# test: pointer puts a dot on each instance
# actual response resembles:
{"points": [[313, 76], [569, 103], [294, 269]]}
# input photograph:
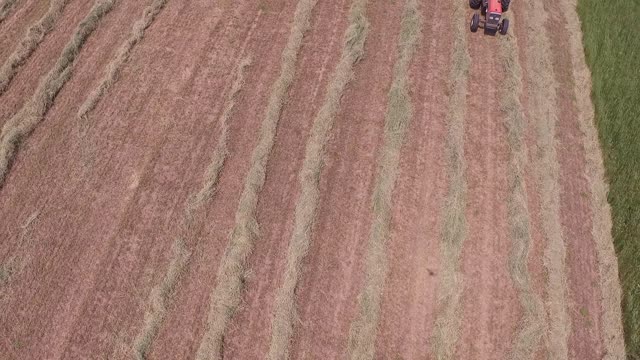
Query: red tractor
{"points": [[492, 11]]}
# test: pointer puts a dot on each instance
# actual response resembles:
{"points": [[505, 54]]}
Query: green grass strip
{"points": [[612, 48]]}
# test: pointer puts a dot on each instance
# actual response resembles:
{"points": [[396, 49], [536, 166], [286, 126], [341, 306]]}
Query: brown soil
{"points": [[110, 202]]}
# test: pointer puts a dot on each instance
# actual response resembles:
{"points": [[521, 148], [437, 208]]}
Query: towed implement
{"points": [[492, 11]]}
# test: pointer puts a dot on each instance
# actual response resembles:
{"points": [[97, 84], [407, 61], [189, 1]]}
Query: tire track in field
{"points": [[227, 293], [397, 120], [282, 325], [447, 324], [532, 325], [541, 90], [160, 294], [5, 8], [612, 332], [20, 126], [113, 69], [29, 43]]}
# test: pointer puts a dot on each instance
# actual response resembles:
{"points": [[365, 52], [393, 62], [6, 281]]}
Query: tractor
{"points": [[492, 11]]}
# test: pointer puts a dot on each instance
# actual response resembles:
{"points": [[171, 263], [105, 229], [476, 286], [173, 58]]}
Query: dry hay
{"points": [[227, 293], [397, 120], [447, 323], [113, 69], [221, 151], [612, 332], [533, 324], [20, 126], [29, 43], [541, 89], [157, 302], [282, 325], [161, 293], [5, 8]]}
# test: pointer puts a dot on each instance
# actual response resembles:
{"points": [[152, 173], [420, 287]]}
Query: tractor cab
{"points": [[492, 11]]}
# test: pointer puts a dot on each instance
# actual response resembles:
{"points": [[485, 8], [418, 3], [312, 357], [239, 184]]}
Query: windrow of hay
{"points": [[397, 120], [454, 232], [612, 332], [227, 293], [27, 119], [5, 8], [156, 304], [113, 69], [533, 324], [34, 36], [16, 263], [309, 176], [161, 293], [541, 89], [221, 151]]}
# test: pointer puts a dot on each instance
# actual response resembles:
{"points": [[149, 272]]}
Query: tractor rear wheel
{"points": [[475, 22], [475, 4], [504, 27], [505, 5]]}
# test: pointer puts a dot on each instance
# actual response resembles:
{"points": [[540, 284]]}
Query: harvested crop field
{"points": [[300, 179]]}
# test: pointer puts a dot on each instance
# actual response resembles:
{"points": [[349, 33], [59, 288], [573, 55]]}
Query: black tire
{"points": [[505, 5], [475, 4], [504, 27], [475, 22]]}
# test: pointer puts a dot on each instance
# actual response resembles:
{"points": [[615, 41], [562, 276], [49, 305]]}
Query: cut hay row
{"points": [[450, 287], [31, 114], [156, 304], [397, 120], [212, 173], [5, 8], [16, 263], [113, 69], [227, 293], [34, 36], [282, 325], [160, 295], [612, 332], [533, 325], [541, 89]]}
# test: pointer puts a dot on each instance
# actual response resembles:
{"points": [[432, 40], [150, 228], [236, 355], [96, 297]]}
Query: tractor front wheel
{"points": [[475, 4], [504, 27], [475, 22]]}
